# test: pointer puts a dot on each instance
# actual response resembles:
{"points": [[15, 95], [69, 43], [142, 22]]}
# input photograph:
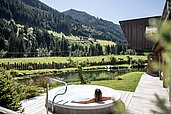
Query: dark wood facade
{"points": [[134, 31], [158, 50]]}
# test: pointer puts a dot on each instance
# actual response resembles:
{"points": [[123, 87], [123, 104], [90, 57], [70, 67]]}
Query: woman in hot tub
{"points": [[97, 98]]}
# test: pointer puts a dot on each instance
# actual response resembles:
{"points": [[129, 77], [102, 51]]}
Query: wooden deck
{"points": [[6, 111], [126, 97], [36, 105], [138, 102], [144, 95]]}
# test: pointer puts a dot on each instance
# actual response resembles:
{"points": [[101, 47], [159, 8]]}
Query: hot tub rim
{"points": [[85, 106]]}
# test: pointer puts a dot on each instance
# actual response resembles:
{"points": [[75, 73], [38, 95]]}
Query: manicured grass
{"points": [[73, 38], [76, 38], [64, 59], [128, 83], [105, 42], [124, 65]]}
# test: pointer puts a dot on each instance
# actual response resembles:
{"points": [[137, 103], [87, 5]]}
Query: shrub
{"points": [[130, 52], [13, 73], [12, 92], [119, 78], [27, 91], [3, 53], [129, 59], [112, 60], [71, 62], [81, 77], [138, 63], [30, 67], [9, 97]]}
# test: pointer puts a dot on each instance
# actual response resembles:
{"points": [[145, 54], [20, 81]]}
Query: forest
{"points": [[25, 26], [20, 41]]}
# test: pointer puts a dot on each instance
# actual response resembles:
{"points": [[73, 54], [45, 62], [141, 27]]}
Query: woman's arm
{"points": [[84, 102], [106, 98]]}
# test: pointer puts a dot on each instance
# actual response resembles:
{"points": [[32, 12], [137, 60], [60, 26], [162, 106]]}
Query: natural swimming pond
{"points": [[94, 75]]}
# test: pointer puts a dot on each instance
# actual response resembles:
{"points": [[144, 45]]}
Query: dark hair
{"points": [[98, 93]]}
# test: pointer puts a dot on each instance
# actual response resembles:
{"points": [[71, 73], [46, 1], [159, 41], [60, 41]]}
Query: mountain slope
{"points": [[33, 13], [99, 24], [36, 14]]}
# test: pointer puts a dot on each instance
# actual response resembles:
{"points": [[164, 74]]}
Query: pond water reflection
{"points": [[94, 75]]}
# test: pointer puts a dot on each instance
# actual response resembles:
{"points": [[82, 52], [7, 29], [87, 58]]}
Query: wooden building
{"points": [[134, 31], [158, 50]]}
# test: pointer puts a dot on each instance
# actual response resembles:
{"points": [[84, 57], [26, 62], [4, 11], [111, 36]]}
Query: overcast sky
{"points": [[112, 10]]}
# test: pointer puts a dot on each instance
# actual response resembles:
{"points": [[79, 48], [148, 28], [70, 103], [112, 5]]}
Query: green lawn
{"points": [[129, 82], [59, 35], [105, 42], [64, 59]]}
